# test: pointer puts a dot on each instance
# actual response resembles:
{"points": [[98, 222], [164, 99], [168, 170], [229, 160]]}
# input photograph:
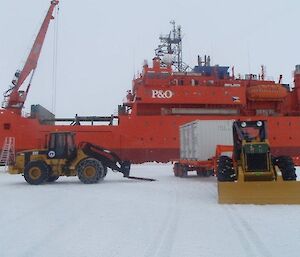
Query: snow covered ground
{"points": [[126, 218]]}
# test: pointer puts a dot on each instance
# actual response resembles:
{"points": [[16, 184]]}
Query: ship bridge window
{"points": [[6, 126], [157, 75]]}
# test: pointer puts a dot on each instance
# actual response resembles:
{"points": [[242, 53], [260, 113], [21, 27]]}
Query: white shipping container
{"points": [[198, 139]]}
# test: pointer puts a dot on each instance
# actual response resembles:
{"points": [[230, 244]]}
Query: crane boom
{"points": [[13, 98]]}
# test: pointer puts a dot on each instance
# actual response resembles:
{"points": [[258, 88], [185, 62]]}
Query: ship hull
{"points": [[143, 138]]}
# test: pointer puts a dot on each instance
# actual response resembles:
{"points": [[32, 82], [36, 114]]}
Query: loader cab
{"points": [[62, 146], [248, 132], [251, 146]]}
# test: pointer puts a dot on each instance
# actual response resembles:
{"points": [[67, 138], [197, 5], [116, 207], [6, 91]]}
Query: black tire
{"points": [[225, 170], [183, 171], [286, 166], [180, 170], [204, 173], [105, 172], [200, 173], [176, 168], [52, 178], [36, 172], [90, 171]]}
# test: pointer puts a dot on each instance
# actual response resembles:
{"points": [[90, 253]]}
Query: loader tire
{"points": [[286, 166], [105, 172], [90, 171], [225, 170], [52, 178], [36, 172]]}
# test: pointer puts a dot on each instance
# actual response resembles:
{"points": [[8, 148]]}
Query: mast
{"points": [[170, 48], [14, 98]]}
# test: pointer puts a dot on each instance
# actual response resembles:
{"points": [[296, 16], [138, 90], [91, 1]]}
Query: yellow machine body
{"points": [[62, 157], [57, 165], [259, 192]]}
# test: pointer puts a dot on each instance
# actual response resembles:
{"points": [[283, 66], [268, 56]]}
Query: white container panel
{"points": [[198, 139]]}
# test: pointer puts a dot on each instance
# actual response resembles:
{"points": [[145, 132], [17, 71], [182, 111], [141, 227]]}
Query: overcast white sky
{"points": [[103, 43]]}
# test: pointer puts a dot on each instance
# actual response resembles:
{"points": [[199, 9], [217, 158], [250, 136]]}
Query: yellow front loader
{"points": [[62, 157], [252, 175]]}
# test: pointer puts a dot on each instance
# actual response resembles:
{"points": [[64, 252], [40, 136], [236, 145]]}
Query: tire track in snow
{"points": [[249, 239], [162, 243], [256, 240], [51, 235]]}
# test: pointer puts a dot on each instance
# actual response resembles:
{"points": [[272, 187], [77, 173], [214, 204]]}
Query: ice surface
{"points": [[171, 217]]}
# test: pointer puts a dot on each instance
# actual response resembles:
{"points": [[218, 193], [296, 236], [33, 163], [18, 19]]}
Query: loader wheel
{"points": [[286, 166], [52, 178], [225, 170], [90, 171], [36, 172], [105, 172]]}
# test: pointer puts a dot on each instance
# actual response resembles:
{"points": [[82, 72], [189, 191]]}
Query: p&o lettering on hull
{"points": [[162, 94]]}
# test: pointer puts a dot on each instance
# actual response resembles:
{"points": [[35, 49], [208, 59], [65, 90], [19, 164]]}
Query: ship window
{"points": [[181, 82], [194, 82], [6, 126], [157, 75]]}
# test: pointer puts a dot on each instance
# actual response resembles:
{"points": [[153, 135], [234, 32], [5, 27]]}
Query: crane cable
{"points": [[54, 68]]}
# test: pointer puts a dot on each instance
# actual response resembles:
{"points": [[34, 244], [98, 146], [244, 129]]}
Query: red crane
{"points": [[14, 98]]}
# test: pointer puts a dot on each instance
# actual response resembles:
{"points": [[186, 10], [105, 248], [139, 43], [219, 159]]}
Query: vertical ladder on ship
{"points": [[8, 152]]}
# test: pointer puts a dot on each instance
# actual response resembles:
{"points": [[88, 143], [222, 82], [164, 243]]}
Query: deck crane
{"points": [[14, 98]]}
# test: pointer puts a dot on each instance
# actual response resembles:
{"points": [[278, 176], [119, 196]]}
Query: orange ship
{"points": [[164, 96]]}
